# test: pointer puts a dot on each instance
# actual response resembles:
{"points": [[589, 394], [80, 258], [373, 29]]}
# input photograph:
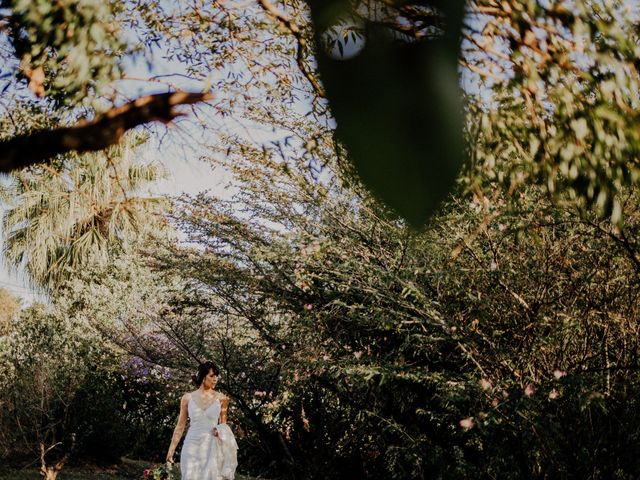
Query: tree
{"points": [[351, 344], [67, 388], [562, 115], [509, 52], [44, 361], [77, 212]]}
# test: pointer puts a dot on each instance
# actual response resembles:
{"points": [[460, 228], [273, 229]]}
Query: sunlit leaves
{"points": [[68, 50], [567, 119]]}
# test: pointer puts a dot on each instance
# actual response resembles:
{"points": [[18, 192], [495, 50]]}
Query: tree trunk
{"points": [[51, 472]]}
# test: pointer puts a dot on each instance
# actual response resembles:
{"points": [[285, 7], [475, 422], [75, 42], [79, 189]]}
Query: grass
{"points": [[127, 470]]}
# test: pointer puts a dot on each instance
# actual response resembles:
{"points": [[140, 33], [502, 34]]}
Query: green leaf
{"points": [[398, 111]]}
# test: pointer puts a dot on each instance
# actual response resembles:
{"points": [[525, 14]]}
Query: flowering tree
{"points": [[345, 336]]}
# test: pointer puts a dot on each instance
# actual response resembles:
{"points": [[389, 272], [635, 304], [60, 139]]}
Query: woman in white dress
{"points": [[209, 451]]}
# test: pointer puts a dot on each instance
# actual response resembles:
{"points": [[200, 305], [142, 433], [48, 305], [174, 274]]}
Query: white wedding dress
{"points": [[205, 456]]}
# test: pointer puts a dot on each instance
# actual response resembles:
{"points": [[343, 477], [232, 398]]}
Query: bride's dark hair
{"points": [[203, 371]]}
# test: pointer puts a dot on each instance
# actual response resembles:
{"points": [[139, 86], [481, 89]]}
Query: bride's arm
{"points": [[224, 407], [180, 426]]}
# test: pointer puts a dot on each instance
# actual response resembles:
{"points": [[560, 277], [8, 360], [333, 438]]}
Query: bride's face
{"points": [[210, 380]]}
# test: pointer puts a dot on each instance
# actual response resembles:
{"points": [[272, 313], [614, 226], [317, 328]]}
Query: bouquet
{"points": [[163, 472]]}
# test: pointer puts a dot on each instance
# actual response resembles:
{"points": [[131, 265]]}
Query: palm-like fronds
{"points": [[61, 219]]}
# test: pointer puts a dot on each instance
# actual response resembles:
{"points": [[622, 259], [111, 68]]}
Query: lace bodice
{"points": [[202, 421]]}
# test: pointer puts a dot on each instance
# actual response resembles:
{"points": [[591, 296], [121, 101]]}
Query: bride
{"points": [[209, 451]]}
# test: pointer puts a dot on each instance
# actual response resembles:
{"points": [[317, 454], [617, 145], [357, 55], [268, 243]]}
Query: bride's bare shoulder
{"points": [[221, 396], [186, 397]]}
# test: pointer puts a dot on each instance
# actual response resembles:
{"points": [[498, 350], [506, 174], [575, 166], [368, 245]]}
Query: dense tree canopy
{"points": [[261, 62]]}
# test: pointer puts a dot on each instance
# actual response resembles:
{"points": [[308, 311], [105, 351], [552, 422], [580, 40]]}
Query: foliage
{"points": [[115, 300], [402, 125], [9, 307], [68, 50], [564, 116], [61, 380], [62, 218], [45, 360]]}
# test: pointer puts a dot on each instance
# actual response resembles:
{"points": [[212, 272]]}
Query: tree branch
{"points": [[97, 134], [290, 25]]}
